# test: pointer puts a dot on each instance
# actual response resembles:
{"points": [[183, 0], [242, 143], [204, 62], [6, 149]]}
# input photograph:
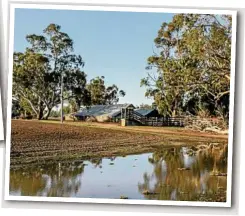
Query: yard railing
{"points": [[165, 121], [181, 121]]}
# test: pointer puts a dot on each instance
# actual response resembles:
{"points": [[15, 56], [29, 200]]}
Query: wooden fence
{"points": [[160, 121], [176, 121]]}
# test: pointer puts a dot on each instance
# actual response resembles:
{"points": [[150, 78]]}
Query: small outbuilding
{"points": [[147, 112]]}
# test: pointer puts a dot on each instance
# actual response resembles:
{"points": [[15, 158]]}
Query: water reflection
{"points": [[56, 180], [174, 173], [188, 160], [192, 175]]}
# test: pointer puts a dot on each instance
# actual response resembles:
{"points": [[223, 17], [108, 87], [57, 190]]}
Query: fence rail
{"points": [[159, 121], [174, 121], [181, 121]]}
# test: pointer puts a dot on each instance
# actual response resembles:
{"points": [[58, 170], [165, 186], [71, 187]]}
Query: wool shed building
{"points": [[103, 113], [106, 113]]}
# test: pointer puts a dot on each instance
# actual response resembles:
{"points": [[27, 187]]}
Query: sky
{"points": [[115, 45]]}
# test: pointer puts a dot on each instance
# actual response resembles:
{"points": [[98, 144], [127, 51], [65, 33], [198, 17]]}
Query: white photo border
{"points": [[14, 6], [1, 118]]}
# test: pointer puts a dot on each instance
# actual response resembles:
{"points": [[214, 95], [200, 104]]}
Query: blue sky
{"points": [[113, 44]]}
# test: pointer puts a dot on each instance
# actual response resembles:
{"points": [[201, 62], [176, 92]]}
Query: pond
{"points": [[173, 173]]}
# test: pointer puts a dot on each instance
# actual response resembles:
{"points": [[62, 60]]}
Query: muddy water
{"points": [[182, 173]]}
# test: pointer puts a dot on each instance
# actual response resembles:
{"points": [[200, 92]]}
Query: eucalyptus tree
{"points": [[192, 60], [102, 94], [38, 71]]}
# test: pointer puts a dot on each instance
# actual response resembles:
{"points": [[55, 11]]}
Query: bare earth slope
{"points": [[43, 142]]}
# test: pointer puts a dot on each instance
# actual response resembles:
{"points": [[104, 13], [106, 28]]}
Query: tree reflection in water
{"points": [[187, 173], [174, 173], [58, 180]]}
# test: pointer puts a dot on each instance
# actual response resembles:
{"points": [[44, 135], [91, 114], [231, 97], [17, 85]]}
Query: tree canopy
{"points": [[47, 61], [100, 94], [190, 68]]}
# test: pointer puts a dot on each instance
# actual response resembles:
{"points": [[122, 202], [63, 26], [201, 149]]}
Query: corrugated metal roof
{"points": [[144, 112], [97, 110], [115, 114]]}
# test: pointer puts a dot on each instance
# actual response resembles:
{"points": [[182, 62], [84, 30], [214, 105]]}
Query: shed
{"points": [[147, 112], [102, 113]]}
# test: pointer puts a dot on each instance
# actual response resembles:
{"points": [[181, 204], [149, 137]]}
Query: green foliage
{"points": [[54, 113], [48, 63], [67, 110], [16, 108], [100, 94], [192, 65], [38, 71], [145, 106]]}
